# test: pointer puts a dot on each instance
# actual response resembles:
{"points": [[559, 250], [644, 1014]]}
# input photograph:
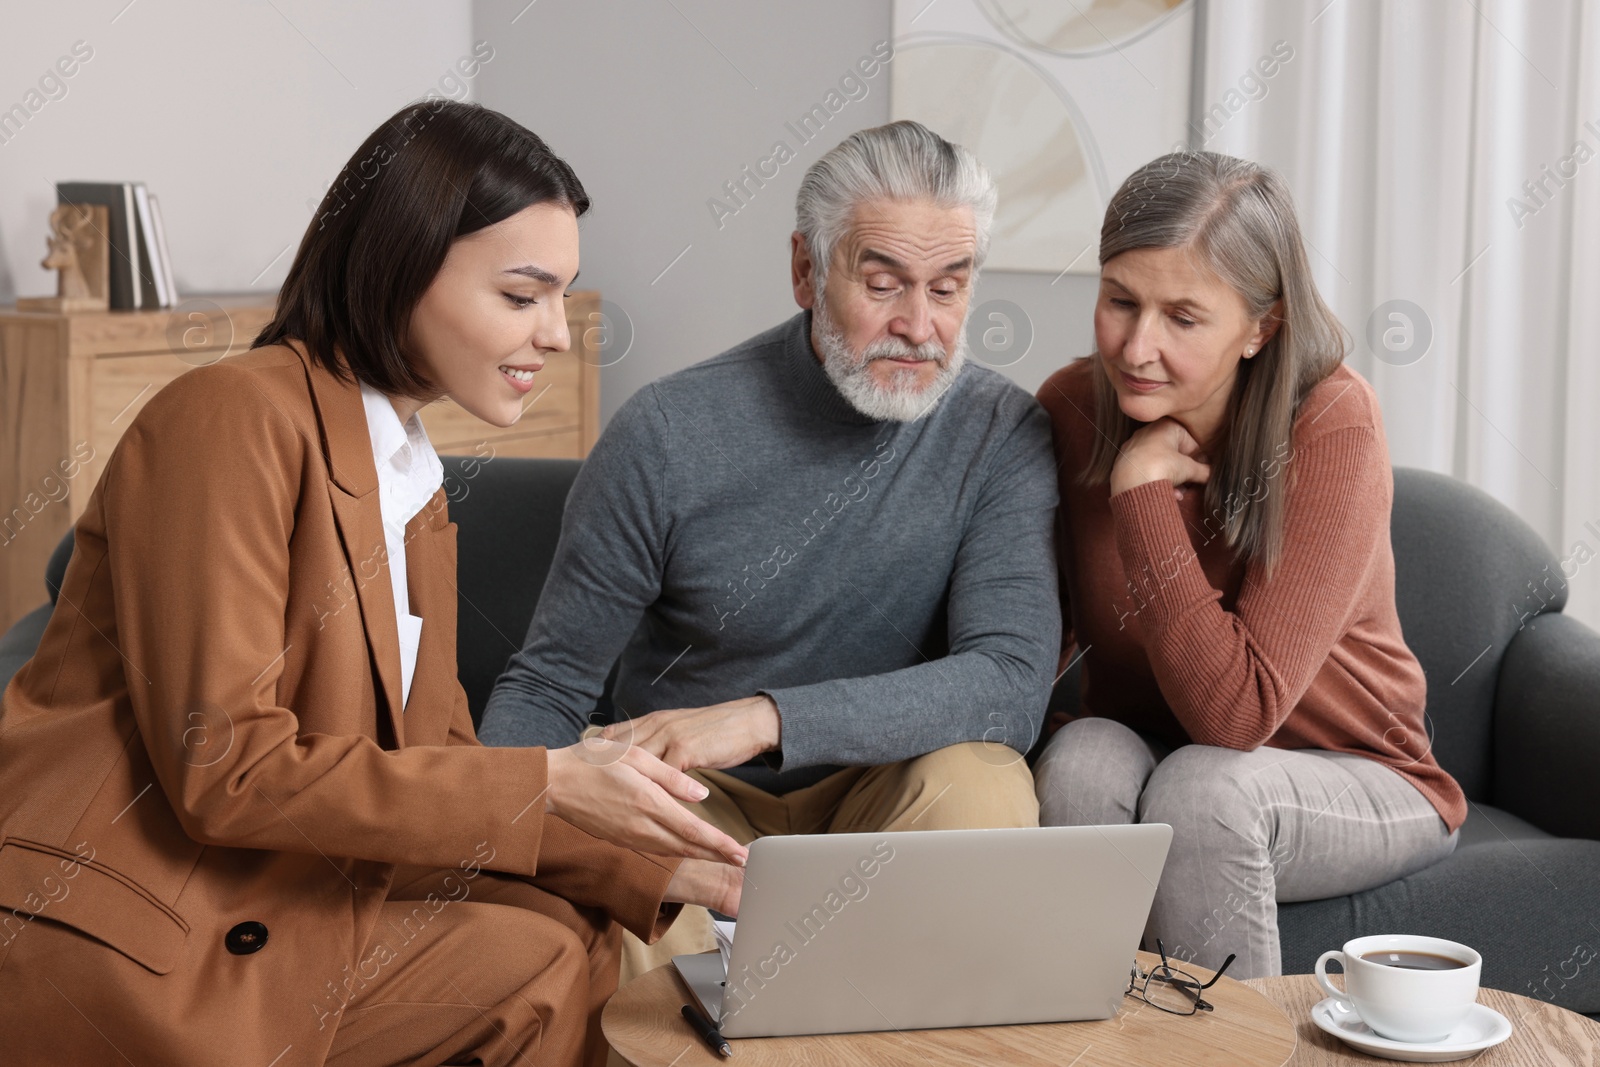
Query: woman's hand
{"points": [[624, 795], [711, 885], [1163, 449]]}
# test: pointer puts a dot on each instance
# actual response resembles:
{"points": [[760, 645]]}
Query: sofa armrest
{"points": [[1547, 727]]}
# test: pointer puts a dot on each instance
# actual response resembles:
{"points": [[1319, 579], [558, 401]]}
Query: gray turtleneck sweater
{"points": [[740, 529]]}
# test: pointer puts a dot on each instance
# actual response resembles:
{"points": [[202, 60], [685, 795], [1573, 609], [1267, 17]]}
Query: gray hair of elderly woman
{"points": [[1237, 220], [901, 161]]}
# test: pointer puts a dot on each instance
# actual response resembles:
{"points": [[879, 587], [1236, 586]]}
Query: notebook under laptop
{"points": [[840, 933]]}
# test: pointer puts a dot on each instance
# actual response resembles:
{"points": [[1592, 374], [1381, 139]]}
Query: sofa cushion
{"points": [[18, 644], [1490, 826], [507, 513], [56, 569]]}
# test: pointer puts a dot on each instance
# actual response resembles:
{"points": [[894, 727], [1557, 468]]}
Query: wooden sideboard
{"points": [[71, 384]]}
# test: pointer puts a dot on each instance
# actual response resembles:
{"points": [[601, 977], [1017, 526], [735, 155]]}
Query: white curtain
{"points": [[1445, 153]]}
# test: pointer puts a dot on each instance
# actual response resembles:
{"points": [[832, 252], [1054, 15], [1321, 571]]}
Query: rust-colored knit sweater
{"points": [[1179, 640]]}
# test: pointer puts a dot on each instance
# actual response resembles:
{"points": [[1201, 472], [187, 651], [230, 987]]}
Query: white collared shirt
{"points": [[409, 473]]}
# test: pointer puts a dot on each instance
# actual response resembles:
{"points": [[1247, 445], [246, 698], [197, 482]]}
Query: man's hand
{"points": [[711, 885], [722, 735], [625, 795], [1163, 449]]}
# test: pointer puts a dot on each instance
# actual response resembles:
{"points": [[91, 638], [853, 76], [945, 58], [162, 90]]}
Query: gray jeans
{"points": [[1248, 829]]}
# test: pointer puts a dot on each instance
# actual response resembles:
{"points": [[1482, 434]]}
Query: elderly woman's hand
{"points": [[1161, 450]]}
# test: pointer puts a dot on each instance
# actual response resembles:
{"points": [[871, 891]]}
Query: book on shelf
{"points": [[141, 266], [161, 249]]}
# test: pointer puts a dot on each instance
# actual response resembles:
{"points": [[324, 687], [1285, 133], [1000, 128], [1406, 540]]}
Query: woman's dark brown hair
{"points": [[435, 171]]}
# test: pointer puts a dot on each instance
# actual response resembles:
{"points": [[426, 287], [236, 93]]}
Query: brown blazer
{"points": [[210, 735]]}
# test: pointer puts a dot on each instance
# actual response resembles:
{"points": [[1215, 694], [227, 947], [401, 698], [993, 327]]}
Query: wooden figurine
{"points": [[80, 252]]}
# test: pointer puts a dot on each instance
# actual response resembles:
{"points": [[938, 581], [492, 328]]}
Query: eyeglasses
{"points": [[1170, 989]]}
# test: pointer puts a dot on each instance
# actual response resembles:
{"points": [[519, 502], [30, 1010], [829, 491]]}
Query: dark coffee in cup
{"points": [[1414, 961], [1406, 987]]}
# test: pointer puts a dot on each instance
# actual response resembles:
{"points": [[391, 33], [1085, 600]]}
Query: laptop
{"points": [[843, 933]]}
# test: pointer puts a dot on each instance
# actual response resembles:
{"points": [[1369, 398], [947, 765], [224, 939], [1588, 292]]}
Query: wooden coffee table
{"points": [[1258, 1021], [1544, 1035], [643, 1024]]}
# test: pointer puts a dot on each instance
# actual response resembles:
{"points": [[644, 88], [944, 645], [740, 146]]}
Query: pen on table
{"points": [[705, 1029]]}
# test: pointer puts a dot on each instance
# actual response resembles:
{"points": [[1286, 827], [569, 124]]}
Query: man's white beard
{"points": [[903, 399]]}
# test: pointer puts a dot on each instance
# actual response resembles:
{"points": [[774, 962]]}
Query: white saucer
{"points": [[1482, 1028]]}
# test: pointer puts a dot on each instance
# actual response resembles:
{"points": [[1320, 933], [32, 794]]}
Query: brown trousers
{"points": [[500, 972]]}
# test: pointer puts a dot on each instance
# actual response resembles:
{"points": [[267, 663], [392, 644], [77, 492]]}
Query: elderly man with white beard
{"points": [[825, 556]]}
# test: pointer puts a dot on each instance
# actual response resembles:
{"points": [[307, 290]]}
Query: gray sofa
{"points": [[1519, 728]]}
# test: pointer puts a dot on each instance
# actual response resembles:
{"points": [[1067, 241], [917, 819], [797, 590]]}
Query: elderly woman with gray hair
{"points": [[1226, 575]]}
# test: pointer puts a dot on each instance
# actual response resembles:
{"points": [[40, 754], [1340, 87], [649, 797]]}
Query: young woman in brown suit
{"points": [[245, 815]]}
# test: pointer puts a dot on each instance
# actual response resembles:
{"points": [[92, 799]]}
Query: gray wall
{"points": [[656, 105], [236, 115]]}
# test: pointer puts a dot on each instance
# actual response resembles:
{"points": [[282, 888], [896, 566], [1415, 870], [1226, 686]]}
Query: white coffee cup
{"points": [[1403, 1003]]}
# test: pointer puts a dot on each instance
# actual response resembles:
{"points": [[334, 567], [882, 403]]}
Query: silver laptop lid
{"points": [[840, 933]]}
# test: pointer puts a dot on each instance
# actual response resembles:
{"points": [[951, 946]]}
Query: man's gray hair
{"points": [[901, 161]]}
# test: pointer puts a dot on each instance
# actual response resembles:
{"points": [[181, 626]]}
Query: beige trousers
{"points": [[967, 786]]}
